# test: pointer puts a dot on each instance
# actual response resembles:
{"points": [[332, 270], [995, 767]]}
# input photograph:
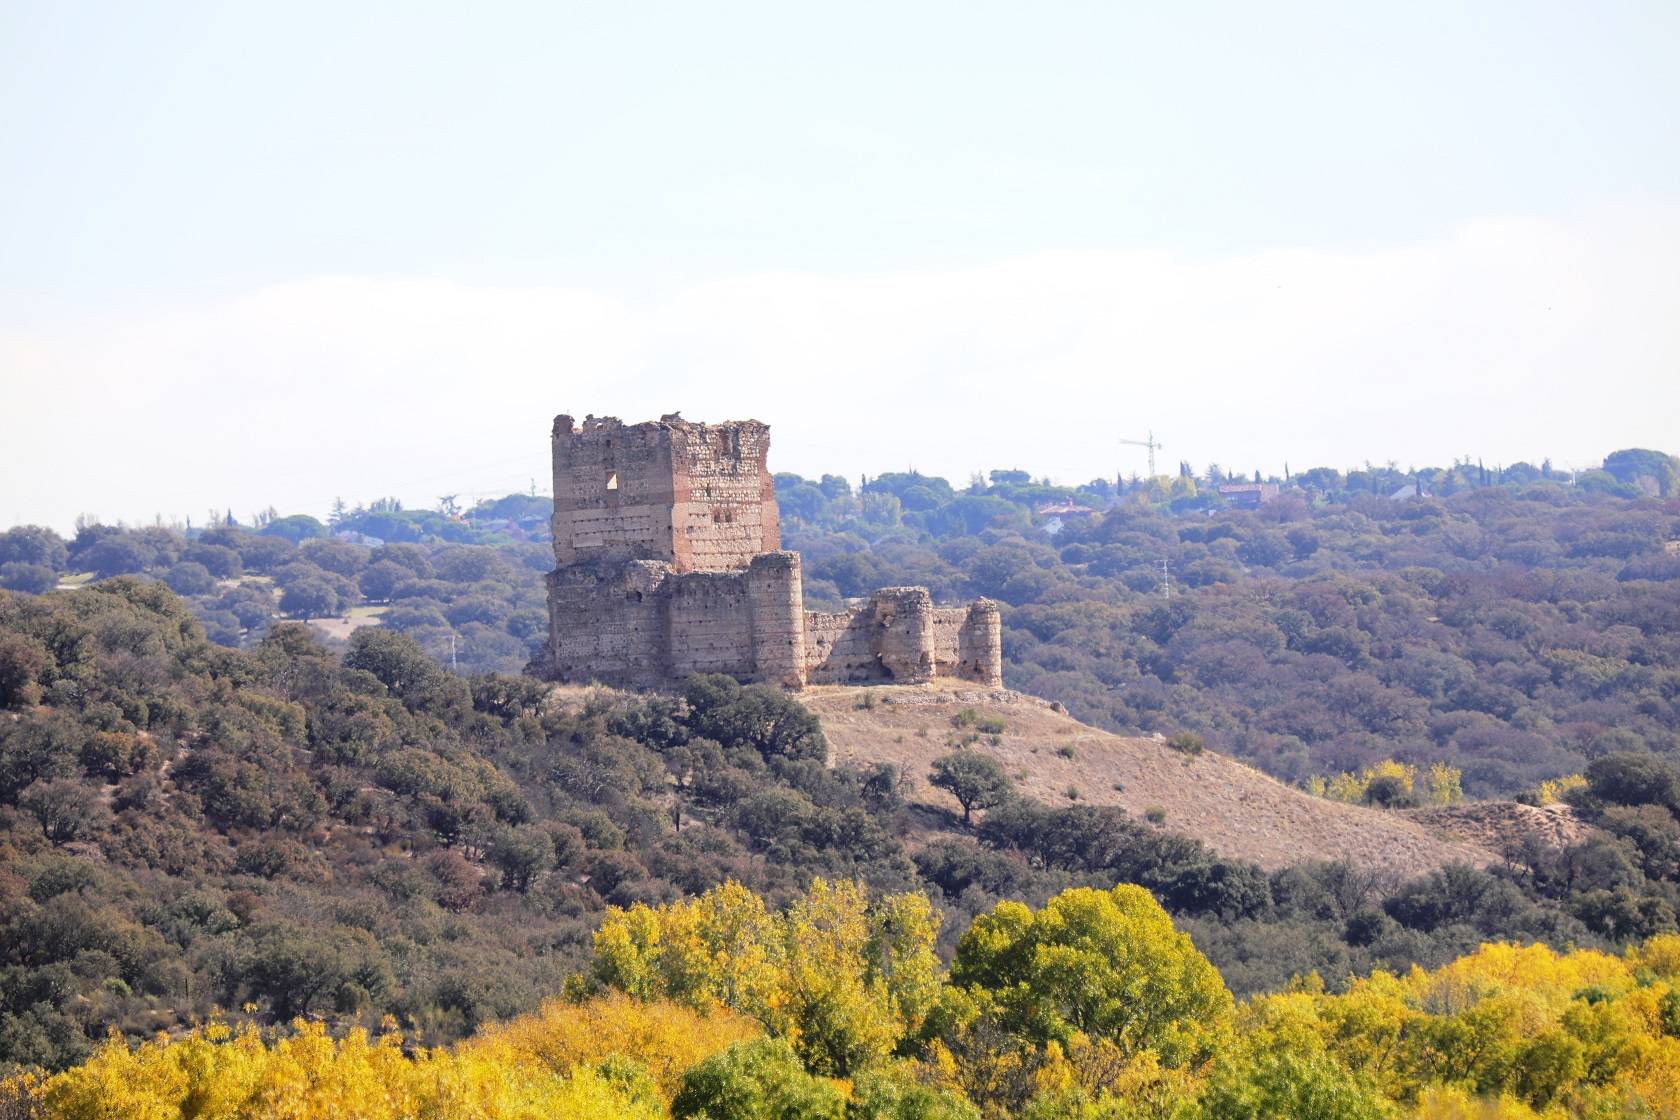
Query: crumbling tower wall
{"points": [[724, 511], [614, 487], [903, 618], [699, 497]]}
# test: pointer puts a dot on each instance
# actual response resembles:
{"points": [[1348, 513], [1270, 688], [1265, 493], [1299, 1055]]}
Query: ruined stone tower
{"points": [[696, 496], [667, 545]]}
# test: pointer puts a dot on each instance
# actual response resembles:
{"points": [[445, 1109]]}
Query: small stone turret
{"points": [[903, 620], [776, 598], [980, 645]]}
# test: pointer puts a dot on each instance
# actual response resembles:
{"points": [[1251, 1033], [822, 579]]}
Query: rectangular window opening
{"points": [[612, 480]]}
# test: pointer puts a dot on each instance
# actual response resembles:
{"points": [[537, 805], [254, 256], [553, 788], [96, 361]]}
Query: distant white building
{"points": [[1056, 515]]}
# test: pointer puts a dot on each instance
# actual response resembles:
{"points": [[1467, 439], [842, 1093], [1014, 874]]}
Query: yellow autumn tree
{"points": [[721, 948], [1390, 782], [562, 1036], [1093, 1007], [1457, 1104], [1094, 964], [1506, 1031], [841, 979], [1554, 790], [217, 1074], [1443, 784]]}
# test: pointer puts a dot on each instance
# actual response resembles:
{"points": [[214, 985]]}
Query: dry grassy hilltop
{"points": [[1236, 810], [1494, 824]]}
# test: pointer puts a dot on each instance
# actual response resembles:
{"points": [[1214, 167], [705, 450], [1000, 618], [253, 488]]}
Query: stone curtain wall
{"points": [[901, 636], [708, 625], [947, 639], [643, 624], [968, 642], [606, 622], [667, 545], [840, 648]]}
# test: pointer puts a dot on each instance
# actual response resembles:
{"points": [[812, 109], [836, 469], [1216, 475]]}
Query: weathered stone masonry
{"points": [[667, 543]]}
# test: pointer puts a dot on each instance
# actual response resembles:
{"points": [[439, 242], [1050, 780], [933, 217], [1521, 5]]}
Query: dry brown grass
{"points": [[340, 629], [1498, 824], [1236, 810]]}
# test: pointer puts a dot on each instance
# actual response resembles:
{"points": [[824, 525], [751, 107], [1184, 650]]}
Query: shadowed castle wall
{"points": [[606, 622], [708, 626], [947, 639]]}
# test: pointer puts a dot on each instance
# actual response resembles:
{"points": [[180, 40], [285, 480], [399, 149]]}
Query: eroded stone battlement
{"points": [[696, 496], [667, 545]]}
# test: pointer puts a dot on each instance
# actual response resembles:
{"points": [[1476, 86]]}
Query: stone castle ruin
{"points": [[667, 545]]}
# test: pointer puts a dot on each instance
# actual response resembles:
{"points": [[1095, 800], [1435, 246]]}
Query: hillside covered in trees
{"points": [[289, 830], [1515, 630]]}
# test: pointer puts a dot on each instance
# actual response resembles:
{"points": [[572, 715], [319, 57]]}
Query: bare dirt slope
{"points": [[1500, 824], [1236, 810]]}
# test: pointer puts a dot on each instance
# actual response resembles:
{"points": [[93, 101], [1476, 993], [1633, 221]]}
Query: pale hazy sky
{"points": [[269, 254]]}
